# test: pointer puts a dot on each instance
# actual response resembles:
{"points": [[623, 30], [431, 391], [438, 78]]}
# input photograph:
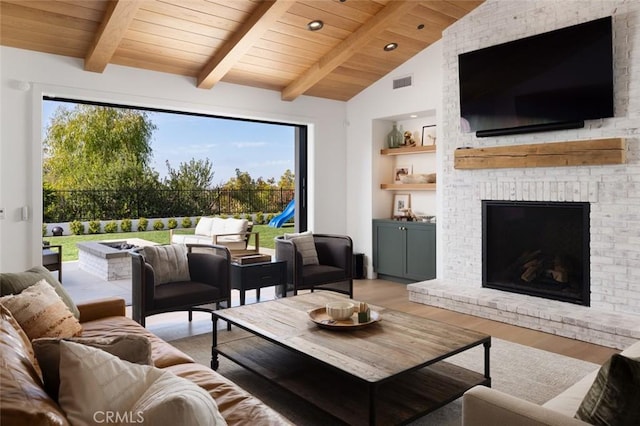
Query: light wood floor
{"points": [[394, 296]]}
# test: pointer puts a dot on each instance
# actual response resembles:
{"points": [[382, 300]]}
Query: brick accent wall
{"points": [[613, 191]]}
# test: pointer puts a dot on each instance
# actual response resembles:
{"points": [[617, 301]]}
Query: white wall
{"points": [[365, 199], [20, 135]]}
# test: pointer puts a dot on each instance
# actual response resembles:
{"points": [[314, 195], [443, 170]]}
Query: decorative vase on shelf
{"points": [[395, 137]]}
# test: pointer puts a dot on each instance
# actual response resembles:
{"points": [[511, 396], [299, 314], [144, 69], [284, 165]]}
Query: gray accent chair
{"points": [[334, 273], [209, 270]]}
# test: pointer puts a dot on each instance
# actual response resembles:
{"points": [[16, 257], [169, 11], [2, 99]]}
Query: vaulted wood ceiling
{"points": [[255, 43]]}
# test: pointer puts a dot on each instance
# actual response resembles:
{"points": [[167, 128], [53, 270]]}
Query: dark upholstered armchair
{"points": [[209, 283], [334, 270]]}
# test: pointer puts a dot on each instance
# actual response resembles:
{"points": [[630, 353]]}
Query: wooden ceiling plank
{"points": [[163, 51], [331, 18], [177, 24], [277, 46], [294, 45], [450, 8], [172, 33], [391, 13], [65, 9], [278, 56], [252, 30], [181, 11], [118, 17], [37, 17], [170, 43]]}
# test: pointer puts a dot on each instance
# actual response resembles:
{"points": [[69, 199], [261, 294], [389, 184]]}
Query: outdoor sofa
{"points": [[229, 232]]}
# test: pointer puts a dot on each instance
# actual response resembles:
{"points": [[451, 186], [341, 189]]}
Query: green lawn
{"points": [[70, 250]]}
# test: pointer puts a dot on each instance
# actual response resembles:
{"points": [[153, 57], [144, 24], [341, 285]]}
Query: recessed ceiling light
{"points": [[315, 25], [413, 116], [389, 47]]}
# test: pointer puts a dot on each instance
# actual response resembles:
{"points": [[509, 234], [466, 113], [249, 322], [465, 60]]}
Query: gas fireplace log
{"points": [[531, 270]]}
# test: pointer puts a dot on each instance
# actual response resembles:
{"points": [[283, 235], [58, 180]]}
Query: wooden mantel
{"points": [[574, 153]]}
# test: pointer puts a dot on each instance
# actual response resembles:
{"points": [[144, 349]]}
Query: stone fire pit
{"points": [[109, 259]]}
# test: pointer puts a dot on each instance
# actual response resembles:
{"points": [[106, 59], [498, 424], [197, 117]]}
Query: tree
{"points": [[287, 180], [98, 147], [194, 175], [242, 180]]}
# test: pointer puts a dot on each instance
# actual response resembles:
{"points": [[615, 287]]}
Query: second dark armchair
{"points": [[333, 270], [170, 287]]}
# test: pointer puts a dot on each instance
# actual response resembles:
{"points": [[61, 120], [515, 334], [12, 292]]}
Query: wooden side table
{"points": [[255, 276], [52, 259]]}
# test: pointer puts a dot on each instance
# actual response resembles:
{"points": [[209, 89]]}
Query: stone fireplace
{"points": [[537, 248], [612, 317]]}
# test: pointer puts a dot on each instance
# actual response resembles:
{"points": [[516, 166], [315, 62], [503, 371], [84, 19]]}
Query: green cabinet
{"points": [[404, 251]]}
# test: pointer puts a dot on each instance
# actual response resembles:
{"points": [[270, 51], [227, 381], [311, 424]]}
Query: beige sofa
{"points": [[231, 233], [482, 406]]}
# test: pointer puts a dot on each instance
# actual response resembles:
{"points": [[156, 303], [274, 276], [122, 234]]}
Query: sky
{"points": [[262, 150]]}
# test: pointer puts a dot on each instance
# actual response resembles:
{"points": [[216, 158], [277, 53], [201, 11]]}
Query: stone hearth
{"points": [[616, 330]]}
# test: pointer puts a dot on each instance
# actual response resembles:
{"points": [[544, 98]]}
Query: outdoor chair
{"points": [[229, 232], [333, 269], [207, 281]]}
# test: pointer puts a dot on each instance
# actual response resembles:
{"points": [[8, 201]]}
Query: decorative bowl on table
{"points": [[340, 311]]}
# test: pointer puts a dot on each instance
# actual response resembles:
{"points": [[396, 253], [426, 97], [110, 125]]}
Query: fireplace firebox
{"points": [[537, 248]]}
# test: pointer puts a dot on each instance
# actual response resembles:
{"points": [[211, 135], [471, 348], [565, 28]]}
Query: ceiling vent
{"points": [[402, 82]]}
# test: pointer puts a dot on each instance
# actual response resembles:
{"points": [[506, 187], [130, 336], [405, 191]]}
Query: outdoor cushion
{"points": [[204, 226], [229, 226]]}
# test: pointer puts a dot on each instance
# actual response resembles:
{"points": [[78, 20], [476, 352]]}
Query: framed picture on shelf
{"points": [[400, 171], [401, 204], [429, 135]]}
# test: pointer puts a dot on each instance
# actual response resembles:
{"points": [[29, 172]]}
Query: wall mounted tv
{"points": [[550, 81]]}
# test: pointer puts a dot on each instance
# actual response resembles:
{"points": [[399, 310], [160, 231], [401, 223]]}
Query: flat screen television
{"points": [[549, 81]]}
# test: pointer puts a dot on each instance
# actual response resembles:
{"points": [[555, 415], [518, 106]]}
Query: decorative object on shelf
{"points": [[401, 205], [418, 178], [429, 135], [395, 137], [400, 171], [408, 139]]}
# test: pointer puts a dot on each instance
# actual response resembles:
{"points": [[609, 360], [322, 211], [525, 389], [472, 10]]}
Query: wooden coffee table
{"points": [[388, 372]]}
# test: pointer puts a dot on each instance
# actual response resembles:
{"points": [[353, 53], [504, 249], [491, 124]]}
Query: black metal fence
{"points": [[67, 206]]}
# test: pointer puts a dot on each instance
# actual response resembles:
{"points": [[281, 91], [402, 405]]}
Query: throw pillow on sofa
{"points": [[93, 381], [16, 282], [23, 400], [132, 348], [41, 312], [169, 262], [306, 246], [614, 396]]}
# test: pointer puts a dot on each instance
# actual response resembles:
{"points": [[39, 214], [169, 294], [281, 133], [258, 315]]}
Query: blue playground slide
{"points": [[287, 214]]}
